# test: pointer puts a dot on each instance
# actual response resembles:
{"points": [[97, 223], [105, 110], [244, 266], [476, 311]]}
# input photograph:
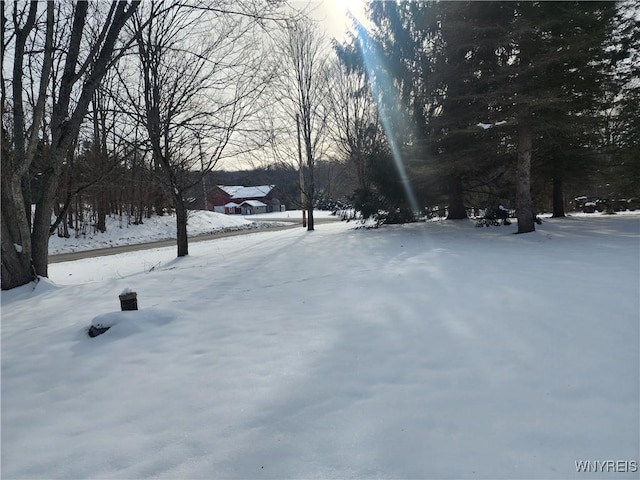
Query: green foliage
{"points": [[385, 202], [443, 68], [381, 209]]}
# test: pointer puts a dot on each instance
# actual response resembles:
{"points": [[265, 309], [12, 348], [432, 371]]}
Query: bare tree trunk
{"points": [[310, 196], [308, 86], [181, 226], [103, 206], [523, 186], [303, 201], [16, 209], [311, 187], [41, 229], [16, 235], [65, 126], [558, 194], [99, 154], [64, 195], [456, 199]]}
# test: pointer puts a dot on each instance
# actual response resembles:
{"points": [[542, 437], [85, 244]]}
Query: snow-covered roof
{"points": [[231, 205], [254, 203], [230, 189], [253, 192]]}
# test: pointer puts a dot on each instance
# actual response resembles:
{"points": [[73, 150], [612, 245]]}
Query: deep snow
{"points": [[433, 350]]}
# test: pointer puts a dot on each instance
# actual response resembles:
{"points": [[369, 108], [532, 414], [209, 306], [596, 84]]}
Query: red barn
{"points": [[227, 199]]}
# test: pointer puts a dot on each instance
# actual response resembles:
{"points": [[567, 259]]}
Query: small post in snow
{"points": [[128, 300]]}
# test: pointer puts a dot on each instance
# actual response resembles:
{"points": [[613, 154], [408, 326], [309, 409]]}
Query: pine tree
{"points": [[532, 71], [619, 106], [547, 82], [464, 66]]}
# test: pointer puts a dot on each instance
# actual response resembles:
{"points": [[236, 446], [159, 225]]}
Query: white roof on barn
{"points": [[254, 203], [231, 205], [230, 189], [252, 192]]}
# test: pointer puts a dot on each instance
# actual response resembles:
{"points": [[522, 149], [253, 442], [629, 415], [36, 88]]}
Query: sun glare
{"points": [[353, 7]]}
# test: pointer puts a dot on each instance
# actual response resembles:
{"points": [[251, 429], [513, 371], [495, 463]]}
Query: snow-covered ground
{"points": [[121, 232], [431, 350]]}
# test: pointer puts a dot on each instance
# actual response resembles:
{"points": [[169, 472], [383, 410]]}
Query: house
{"points": [[231, 208], [252, 207], [220, 195], [237, 199]]}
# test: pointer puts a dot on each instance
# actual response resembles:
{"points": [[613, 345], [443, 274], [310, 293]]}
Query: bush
{"points": [[374, 206]]}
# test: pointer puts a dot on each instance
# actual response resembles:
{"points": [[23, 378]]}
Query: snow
{"points": [[431, 350], [121, 232], [487, 126], [250, 192], [230, 189], [254, 203]]}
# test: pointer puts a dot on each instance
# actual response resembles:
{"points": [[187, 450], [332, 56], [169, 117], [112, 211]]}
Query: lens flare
{"points": [[382, 90]]}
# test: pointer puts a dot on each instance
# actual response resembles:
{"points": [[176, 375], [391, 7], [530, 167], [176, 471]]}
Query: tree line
{"points": [[127, 108], [479, 103]]}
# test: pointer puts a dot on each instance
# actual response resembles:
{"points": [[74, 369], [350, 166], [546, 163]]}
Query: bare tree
{"points": [[305, 90], [17, 266], [86, 59], [355, 126], [203, 80]]}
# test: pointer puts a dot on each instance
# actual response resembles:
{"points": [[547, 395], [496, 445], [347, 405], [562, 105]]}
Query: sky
{"points": [[333, 15], [333, 19]]}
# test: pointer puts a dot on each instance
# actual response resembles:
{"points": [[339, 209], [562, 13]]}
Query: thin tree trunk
{"points": [[523, 186], [311, 194], [311, 190], [558, 194], [303, 201], [456, 199], [65, 228], [103, 205], [99, 151], [181, 227]]}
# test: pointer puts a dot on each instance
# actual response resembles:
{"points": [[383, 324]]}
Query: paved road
{"points": [[101, 252]]}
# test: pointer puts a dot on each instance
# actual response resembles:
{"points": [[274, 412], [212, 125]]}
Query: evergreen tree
{"points": [[462, 80], [485, 86], [547, 82], [619, 107]]}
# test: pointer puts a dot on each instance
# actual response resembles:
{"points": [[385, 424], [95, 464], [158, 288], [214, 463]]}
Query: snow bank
{"points": [[126, 323], [120, 232], [433, 350]]}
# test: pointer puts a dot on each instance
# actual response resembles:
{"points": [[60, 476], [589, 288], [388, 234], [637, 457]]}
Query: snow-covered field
{"points": [[432, 350], [121, 232]]}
